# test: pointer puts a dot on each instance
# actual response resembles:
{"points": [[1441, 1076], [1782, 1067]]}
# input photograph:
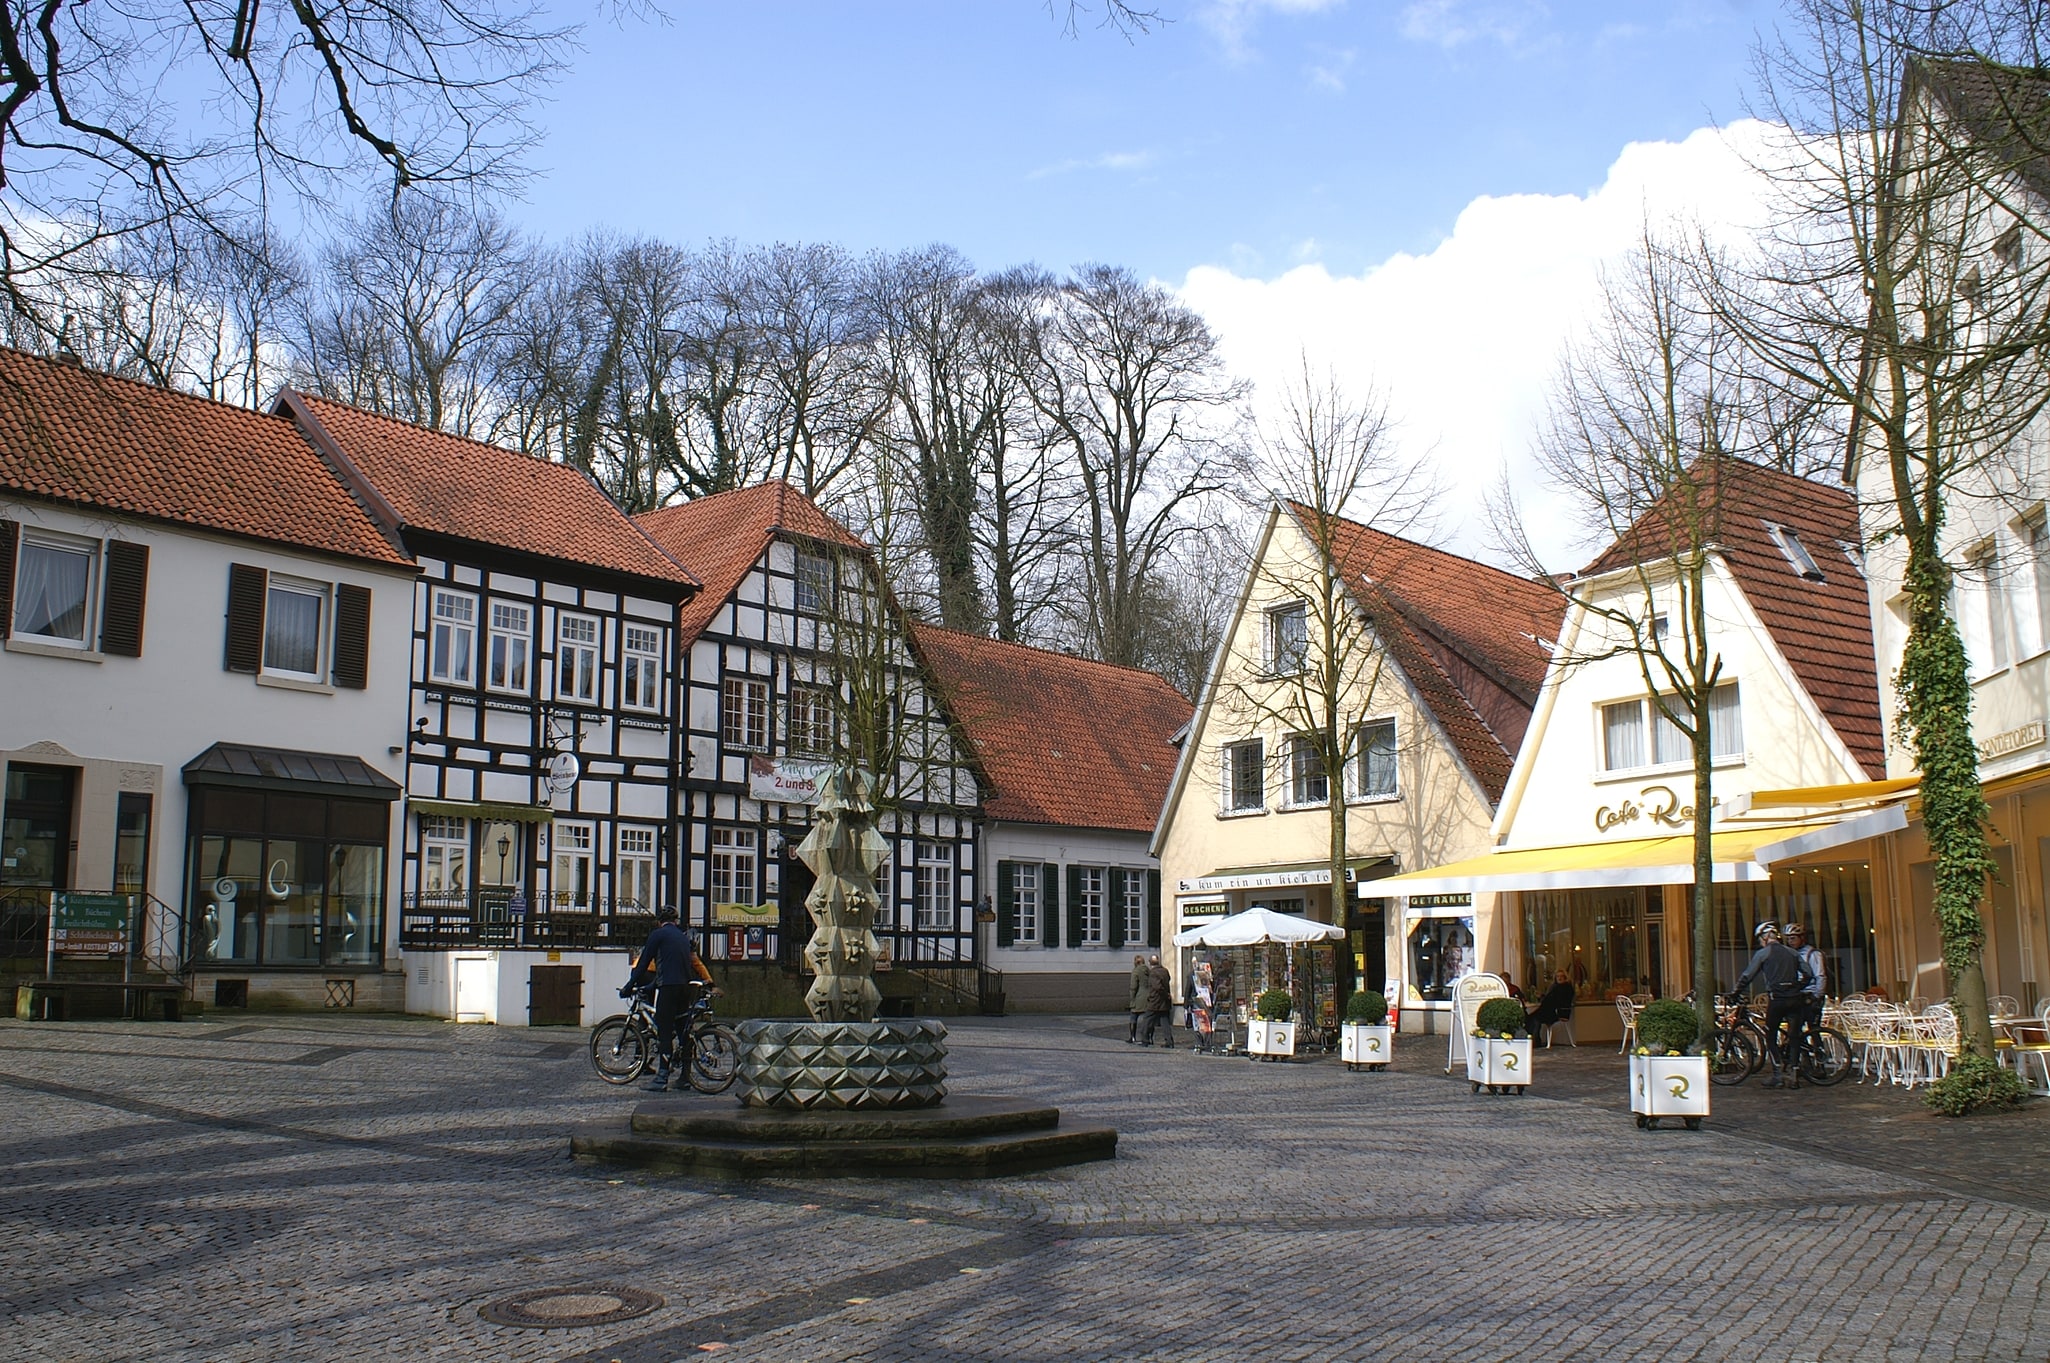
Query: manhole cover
{"points": [[555, 1308]]}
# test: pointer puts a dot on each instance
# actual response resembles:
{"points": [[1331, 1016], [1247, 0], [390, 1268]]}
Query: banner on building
{"points": [[744, 915], [784, 780]]}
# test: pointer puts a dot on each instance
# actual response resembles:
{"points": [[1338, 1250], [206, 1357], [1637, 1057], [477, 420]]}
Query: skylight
{"points": [[1796, 552]]}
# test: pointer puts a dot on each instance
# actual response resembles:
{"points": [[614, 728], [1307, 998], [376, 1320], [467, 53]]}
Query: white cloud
{"points": [[1454, 23], [1462, 341], [1110, 160], [1233, 21]]}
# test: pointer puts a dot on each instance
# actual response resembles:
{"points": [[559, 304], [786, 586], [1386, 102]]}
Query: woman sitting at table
{"points": [[1555, 1006]]}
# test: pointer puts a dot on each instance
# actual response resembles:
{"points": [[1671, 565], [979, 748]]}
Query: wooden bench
{"points": [[75, 1000]]}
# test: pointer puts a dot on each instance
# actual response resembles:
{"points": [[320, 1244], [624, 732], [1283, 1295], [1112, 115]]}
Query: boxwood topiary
{"points": [[1274, 1005], [1500, 1015], [1366, 1006], [1667, 1025]]}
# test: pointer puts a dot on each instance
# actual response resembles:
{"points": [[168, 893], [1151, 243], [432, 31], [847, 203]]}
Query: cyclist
{"points": [[669, 957], [1811, 1021], [1787, 980]]}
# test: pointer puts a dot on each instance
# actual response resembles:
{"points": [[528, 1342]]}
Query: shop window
{"points": [[1834, 902], [744, 717], [1307, 782], [287, 880], [1245, 777], [736, 858], [576, 658], [512, 645], [1373, 765], [934, 887], [640, 664], [1592, 937], [131, 842], [452, 638], [1440, 951], [635, 872]]}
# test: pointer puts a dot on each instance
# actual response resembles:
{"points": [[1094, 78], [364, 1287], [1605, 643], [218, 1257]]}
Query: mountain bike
{"points": [[623, 1046], [1740, 1048]]}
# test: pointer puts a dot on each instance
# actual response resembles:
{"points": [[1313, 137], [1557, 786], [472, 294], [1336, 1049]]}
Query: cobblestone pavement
{"points": [[357, 1188]]}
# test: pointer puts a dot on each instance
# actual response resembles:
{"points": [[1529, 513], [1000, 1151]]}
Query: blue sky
{"points": [[1252, 134]]}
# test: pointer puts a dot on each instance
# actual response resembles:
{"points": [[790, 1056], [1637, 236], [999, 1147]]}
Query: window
{"points": [[1089, 897], [576, 658], [935, 887], [444, 855], [1134, 905], [2036, 538], [1025, 903], [736, 854], [811, 728], [634, 877], [2007, 248], [53, 580], [1797, 555], [745, 719], [511, 647], [1307, 782], [293, 613], [573, 880], [1998, 617], [452, 638], [1626, 723], [285, 879], [1244, 783], [1374, 760], [131, 842], [640, 662], [1288, 637], [814, 582]]}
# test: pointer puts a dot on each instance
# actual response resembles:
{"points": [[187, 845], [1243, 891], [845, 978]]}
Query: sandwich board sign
{"points": [[1469, 992]]}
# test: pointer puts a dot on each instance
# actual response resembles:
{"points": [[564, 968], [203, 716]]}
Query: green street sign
{"points": [[88, 924]]}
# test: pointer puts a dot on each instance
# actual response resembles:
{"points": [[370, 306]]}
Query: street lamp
{"points": [[504, 846]]}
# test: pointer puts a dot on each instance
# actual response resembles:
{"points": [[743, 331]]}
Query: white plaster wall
{"points": [[431, 982], [1066, 847]]}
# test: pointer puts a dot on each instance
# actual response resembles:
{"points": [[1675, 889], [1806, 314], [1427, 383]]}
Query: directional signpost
{"points": [[88, 925]]}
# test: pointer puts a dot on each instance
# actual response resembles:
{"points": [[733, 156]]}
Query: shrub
{"points": [[1667, 1025], [1500, 1015], [1974, 1082], [1366, 1006], [1274, 1005]]}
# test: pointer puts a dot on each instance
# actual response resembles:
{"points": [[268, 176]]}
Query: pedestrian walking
{"points": [[1138, 1000], [1159, 1004], [1203, 1010]]}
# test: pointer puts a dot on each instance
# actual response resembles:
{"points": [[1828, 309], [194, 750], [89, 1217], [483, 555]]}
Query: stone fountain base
{"points": [[845, 1065]]}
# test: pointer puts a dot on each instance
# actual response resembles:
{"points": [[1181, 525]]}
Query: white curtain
{"points": [[49, 591]]}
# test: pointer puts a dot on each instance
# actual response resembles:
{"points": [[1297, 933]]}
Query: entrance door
{"points": [[793, 920], [35, 827], [473, 989]]}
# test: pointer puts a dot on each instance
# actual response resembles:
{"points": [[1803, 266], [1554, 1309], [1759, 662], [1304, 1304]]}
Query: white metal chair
{"points": [[1628, 1009], [1551, 1029]]}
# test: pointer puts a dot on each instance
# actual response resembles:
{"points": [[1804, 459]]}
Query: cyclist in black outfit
{"points": [[668, 956], [1787, 980]]}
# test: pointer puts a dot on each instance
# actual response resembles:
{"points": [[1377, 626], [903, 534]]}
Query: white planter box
{"points": [[1669, 1086], [1361, 1043], [1498, 1063], [1270, 1038]]}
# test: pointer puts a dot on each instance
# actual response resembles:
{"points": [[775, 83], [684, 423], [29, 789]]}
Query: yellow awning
{"points": [[1818, 797], [1741, 854]]}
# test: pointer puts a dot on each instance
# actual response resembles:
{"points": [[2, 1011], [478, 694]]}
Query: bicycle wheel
{"points": [[1761, 1045], [1826, 1057], [620, 1049], [714, 1058], [1732, 1057]]}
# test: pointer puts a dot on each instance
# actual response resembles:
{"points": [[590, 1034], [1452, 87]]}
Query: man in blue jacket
{"points": [[669, 957], [1786, 980]]}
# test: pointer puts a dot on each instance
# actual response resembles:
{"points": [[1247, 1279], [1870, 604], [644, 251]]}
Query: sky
{"points": [[1413, 195]]}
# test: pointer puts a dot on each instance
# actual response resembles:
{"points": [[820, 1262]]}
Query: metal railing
{"points": [[429, 922], [156, 933]]}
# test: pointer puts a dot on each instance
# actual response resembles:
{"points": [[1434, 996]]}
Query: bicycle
{"points": [[1741, 1047], [623, 1046]]}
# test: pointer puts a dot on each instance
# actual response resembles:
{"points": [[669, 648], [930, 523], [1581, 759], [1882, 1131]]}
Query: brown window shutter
{"points": [[246, 590], [127, 590], [10, 536], [352, 636]]}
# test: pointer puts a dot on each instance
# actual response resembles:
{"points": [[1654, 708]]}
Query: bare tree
{"points": [[821, 411]]}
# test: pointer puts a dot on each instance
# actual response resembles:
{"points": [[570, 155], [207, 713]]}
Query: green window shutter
{"points": [[1153, 908], [1114, 908], [1074, 906], [1049, 905], [352, 637], [1007, 903], [121, 605], [247, 588]]}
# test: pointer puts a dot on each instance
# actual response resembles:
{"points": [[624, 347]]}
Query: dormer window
{"points": [[1797, 555]]}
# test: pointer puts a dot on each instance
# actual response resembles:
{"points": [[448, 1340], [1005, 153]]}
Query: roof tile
{"points": [[720, 537]]}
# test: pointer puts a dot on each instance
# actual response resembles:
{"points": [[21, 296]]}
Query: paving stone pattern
{"points": [[357, 1188]]}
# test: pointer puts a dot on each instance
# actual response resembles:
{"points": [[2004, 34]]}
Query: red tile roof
{"points": [[1063, 740], [1466, 635], [718, 538], [69, 434], [1823, 629], [485, 494]]}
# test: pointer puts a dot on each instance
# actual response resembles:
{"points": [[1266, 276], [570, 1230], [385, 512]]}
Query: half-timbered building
{"points": [[542, 743], [795, 657]]}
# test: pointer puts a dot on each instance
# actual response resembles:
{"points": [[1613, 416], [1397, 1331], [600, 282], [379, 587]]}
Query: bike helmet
{"points": [[1765, 928], [666, 914]]}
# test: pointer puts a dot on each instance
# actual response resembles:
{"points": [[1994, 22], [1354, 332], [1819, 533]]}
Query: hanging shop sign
{"points": [[1204, 908], [1421, 905], [784, 781]]}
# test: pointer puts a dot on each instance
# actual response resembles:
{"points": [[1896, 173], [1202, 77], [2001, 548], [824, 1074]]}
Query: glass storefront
{"points": [[1594, 937], [286, 879], [1834, 903], [1437, 952]]}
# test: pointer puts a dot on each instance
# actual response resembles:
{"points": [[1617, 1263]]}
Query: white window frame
{"points": [[51, 542], [577, 669], [933, 887], [1356, 762], [636, 876], [1301, 780], [2034, 534], [1655, 730], [1795, 552], [744, 713], [809, 729], [511, 648], [1134, 905], [1230, 804], [1026, 900], [451, 638], [444, 845], [813, 581], [1285, 659], [1092, 902], [573, 843], [640, 667], [321, 594], [733, 865]]}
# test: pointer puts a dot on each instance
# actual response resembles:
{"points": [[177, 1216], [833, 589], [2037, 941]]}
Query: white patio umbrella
{"points": [[1258, 927]]}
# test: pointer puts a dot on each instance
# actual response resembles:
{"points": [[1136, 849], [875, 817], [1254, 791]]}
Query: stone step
{"points": [[961, 1115]]}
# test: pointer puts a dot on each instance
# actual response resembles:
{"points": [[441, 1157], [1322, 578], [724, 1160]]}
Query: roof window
{"points": [[1797, 554]]}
